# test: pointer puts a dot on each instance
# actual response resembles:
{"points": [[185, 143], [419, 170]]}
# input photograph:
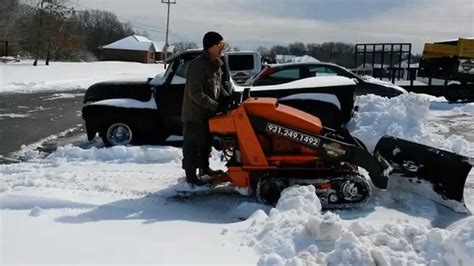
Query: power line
{"points": [[158, 30], [168, 2], [176, 34], [145, 26]]}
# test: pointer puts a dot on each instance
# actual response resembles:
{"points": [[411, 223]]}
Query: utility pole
{"points": [[165, 49]]}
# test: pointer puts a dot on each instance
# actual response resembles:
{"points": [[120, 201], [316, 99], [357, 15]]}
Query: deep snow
{"points": [[117, 205]]}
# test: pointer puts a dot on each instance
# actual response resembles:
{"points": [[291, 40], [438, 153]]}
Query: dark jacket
{"points": [[202, 90]]}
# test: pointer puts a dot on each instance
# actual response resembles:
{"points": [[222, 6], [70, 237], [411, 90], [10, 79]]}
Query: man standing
{"points": [[200, 102]]}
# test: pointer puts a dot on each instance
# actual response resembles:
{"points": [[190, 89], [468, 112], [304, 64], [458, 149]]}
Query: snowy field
{"points": [[23, 77], [86, 204]]}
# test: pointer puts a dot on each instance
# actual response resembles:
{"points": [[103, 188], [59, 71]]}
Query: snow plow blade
{"points": [[433, 173]]}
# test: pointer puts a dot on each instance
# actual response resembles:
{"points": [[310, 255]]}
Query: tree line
{"points": [[52, 30], [334, 52]]}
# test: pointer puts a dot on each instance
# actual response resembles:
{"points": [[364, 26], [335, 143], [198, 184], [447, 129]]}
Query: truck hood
{"points": [[313, 82], [137, 90], [370, 79]]}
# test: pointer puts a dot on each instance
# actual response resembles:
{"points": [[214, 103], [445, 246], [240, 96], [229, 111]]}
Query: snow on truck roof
{"points": [[312, 82]]}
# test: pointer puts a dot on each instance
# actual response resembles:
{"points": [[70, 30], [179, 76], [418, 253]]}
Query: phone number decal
{"points": [[295, 135]]}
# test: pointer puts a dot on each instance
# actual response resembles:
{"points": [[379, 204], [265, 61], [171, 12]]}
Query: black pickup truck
{"points": [[149, 111]]}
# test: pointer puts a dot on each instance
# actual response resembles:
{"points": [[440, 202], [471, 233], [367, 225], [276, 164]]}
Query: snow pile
{"points": [[292, 229], [461, 241], [36, 211], [119, 154], [296, 232], [457, 107], [405, 117], [305, 59], [127, 170], [467, 108], [401, 116]]}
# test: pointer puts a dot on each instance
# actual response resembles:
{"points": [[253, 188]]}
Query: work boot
{"points": [[193, 180], [210, 172]]}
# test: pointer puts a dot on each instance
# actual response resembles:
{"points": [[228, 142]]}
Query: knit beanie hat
{"points": [[210, 39]]}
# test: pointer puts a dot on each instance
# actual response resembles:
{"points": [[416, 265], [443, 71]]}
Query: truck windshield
{"points": [[241, 62]]}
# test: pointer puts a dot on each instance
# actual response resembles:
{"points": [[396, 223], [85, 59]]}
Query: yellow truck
{"points": [[452, 61]]}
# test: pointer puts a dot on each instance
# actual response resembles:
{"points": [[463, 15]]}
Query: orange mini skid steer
{"points": [[271, 146]]}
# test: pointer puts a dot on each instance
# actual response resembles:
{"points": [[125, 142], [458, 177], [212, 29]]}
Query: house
{"points": [[159, 46], [134, 48]]}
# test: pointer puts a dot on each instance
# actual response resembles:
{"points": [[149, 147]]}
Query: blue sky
{"points": [[251, 23]]}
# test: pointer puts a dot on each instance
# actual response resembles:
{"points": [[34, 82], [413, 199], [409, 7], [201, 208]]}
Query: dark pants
{"points": [[197, 142]]}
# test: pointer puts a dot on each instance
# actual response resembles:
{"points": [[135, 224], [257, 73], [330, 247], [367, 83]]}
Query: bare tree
{"points": [[297, 48], [263, 51], [12, 12], [97, 28], [143, 33], [182, 46], [51, 15], [278, 49], [50, 29]]}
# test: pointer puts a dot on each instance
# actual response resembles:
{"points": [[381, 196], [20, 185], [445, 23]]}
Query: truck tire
{"points": [[453, 92], [118, 133]]}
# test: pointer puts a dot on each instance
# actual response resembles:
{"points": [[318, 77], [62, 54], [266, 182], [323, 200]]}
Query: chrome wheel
{"points": [[119, 134]]}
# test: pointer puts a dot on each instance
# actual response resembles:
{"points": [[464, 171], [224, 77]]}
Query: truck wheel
{"points": [[269, 190], [453, 93], [119, 133]]}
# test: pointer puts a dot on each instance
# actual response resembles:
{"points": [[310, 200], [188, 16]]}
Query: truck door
{"points": [[170, 95]]}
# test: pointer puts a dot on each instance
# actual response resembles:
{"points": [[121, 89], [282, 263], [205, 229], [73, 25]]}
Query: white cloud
{"points": [[419, 22]]}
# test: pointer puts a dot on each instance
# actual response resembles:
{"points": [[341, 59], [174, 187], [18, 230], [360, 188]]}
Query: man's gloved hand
{"points": [[224, 104]]}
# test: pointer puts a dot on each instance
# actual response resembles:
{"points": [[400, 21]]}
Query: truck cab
{"points": [[243, 66]]}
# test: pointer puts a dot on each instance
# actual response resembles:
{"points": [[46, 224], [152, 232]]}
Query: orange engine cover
{"points": [[269, 109], [264, 152], [274, 145]]}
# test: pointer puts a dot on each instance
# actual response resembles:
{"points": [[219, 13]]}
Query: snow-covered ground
{"points": [[62, 76], [118, 205]]}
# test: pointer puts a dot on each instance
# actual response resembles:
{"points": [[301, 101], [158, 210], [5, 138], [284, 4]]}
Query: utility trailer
{"points": [[447, 67]]}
